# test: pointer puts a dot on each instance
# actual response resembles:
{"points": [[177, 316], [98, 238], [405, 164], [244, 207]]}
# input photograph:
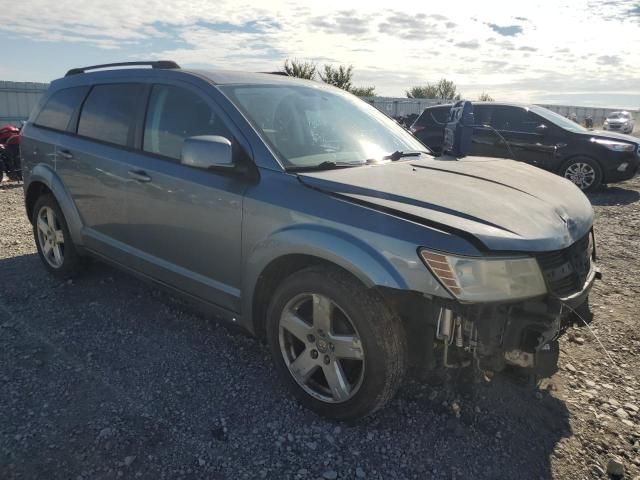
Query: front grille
{"points": [[566, 270]]}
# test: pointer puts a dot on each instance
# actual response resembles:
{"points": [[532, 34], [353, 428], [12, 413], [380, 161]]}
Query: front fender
{"points": [[45, 174], [337, 247]]}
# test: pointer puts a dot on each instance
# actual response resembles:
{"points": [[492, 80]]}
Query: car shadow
{"points": [[613, 195], [148, 346]]}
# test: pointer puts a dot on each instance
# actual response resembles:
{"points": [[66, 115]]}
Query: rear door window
{"points": [[58, 110], [434, 117], [482, 114], [514, 119], [109, 113], [175, 113]]}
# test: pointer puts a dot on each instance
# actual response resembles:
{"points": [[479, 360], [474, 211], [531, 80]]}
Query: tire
{"points": [[360, 325], [584, 172], [53, 240]]}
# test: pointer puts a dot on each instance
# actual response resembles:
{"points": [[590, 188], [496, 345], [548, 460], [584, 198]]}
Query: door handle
{"points": [[66, 154], [139, 176]]}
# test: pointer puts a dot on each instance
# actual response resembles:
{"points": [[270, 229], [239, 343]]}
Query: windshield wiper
{"points": [[327, 165], [398, 154]]}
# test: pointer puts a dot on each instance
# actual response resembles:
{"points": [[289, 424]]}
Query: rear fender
{"points": [[44, 174]]}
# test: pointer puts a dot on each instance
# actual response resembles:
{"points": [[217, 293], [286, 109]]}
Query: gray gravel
{"points": [[106, 377]]}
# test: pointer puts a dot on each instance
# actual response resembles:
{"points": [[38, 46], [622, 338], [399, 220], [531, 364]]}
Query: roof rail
{"points": [[285, 74], [162, 64]]}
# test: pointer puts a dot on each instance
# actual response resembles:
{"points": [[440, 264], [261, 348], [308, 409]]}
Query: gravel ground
{"points": [[106, 377]]}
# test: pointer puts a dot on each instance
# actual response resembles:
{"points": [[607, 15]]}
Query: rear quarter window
{"points": [[59, 108], [109, 113]]}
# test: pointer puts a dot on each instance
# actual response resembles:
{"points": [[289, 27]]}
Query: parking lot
{"points": [[106, 377]]}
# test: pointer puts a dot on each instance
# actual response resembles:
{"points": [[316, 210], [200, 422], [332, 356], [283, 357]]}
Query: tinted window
{"points": [[58, 110], [482, 114], [109, 112], [307, 126], [514, 119], [175, 114], [434, 116]]}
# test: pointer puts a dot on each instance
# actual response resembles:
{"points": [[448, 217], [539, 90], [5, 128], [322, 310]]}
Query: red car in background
{"points": [[10, 152]]}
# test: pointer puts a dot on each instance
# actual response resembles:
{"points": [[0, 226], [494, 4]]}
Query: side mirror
{"points": [[207, 151], [542, 128]]}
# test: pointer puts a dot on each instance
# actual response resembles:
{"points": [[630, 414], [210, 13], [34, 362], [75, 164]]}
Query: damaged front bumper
{"points": [[522, 334]]}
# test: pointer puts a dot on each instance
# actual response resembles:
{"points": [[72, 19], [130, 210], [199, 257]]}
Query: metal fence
{"points": [[596, 113], [17, 99], [401, 107]]}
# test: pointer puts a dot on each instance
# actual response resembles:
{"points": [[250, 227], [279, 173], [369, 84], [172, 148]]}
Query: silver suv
{"points": [[307, 217]]}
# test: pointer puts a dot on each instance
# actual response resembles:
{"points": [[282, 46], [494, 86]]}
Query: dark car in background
{"points": [[540, 137]]}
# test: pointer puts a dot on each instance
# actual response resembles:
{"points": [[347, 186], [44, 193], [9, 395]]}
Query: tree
{"points": [[485, 97], [443, 89], [300, 69], [363, 91], [338, 76], [428, 91]]}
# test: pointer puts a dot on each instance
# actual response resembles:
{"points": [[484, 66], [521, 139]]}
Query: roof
{"points": [[88, 75], [496, 104], [226, 77]]}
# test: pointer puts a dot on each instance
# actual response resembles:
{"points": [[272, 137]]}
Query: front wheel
{"points": [[335, 344], [584, 172]]}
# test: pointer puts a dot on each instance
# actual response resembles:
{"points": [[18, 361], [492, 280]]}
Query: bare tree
{"points": [[444, 89], [338, 76], [485, 97], [363, 91], [300, 69]]}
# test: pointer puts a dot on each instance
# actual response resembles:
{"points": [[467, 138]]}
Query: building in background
{"points": [[17, 99]]}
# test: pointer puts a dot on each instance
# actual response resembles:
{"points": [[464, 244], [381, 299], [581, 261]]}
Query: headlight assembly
{"points": [[476, 279], [613, 145]]}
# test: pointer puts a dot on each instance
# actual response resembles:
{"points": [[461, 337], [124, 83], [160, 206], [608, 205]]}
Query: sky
{"points": [[564, 52]]}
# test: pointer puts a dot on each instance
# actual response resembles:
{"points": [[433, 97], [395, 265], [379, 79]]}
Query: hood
{"points": [[506, 205], [608, 134]]}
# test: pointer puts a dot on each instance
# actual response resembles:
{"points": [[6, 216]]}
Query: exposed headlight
{"points": [[615, 146], [473, 279]]}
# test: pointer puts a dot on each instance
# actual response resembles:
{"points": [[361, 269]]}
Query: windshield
{"points": [[309, 126], [557, 119], [618, 116]]}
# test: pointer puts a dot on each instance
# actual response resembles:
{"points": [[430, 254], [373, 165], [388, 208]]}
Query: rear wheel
{"points": [[336, 345], [584, 172], [53, 240]]}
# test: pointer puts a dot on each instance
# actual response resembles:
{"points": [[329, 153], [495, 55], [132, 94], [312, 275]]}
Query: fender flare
{"points": [[44, 174], [326, 244]]}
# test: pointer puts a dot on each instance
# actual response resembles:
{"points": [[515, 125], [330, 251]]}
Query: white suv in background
{"points": [[619, 121]]}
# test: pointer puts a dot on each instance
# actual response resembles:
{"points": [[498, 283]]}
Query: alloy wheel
{"points": [[50, 237], [582, 174], [321, 348]]}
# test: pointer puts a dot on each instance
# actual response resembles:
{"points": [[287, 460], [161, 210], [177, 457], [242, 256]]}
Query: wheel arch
{"points": [[578, 155], [295, 249], [44, 180]]}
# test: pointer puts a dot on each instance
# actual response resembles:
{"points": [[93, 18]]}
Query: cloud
{"points": [[609, 60], [413, 43], [506, 31], [473, 44], [346, 22], [411, 27]]}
